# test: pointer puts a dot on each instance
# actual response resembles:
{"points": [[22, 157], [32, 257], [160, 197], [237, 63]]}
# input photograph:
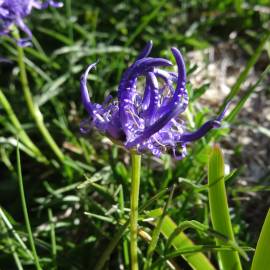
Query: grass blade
{"points": [[156, 233], [53, 238], [198, 260], [261, 259], [16, 236], [144, 22], [20, 131], [242, 101], [118, 235], [111, 246], [236, 87], [219, 209], [199, 227], [194, 249], [121, 202], [25, 211], [10, 244], [69, 16]]}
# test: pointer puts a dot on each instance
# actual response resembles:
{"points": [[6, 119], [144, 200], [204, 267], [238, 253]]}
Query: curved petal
{"points": [[141, 66], [84, 91], [23, 42], [48, 3], [127, 92], [146, 51], [146, 97], [173, 108], [201, 132], [206, 127], [55, 4], [3, 12], [149, 113], [179, 101], [165, 75]]}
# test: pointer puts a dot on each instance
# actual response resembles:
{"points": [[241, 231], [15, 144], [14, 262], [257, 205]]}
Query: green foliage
{"points": [[219, 209], [261, 258], [78, 206]]}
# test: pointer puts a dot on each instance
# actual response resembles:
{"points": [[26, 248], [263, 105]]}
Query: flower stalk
{"points": [[32, 107], [134, 198]]}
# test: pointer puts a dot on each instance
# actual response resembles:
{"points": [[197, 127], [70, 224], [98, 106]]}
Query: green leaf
{"points": [[247, 94], [198, 260], [156, 233], [261, 259], [219, 209], [252, 61]]}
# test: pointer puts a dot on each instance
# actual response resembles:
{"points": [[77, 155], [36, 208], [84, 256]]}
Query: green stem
{"points": [[53, 239], [20, 131], [32, 107], [25, 211], [134, 197]]}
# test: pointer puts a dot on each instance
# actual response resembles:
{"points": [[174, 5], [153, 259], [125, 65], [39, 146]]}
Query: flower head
{"points": [[13, 12], [146, 120]]}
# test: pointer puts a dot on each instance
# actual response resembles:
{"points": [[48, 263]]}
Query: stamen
{"points": [[99, 117], [158, 142], [134, 116]]}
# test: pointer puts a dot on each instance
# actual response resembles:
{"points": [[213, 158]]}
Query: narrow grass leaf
{"points": [[252, 61], [199, 227], [103, 218], [12, 141], [55, 35], [156, 197], [20, 131], [118, 235], [51, 89], [4, 217], [242, 101], [111, 246], [42, 57], [195, 249], [121, 202], [25, 211], [10, 244], [53, 238], [156, 233], [198, 260], [144, 22], [147, 238]]}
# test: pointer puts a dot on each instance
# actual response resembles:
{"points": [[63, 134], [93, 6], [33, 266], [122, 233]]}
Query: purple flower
{"points": [[148, 120], [13, 12]]}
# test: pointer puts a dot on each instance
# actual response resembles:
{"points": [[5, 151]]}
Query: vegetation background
{"points": [[76, 207]]}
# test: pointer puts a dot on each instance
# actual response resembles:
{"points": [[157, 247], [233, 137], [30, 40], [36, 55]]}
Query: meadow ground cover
{"points": [[65, 195]]}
